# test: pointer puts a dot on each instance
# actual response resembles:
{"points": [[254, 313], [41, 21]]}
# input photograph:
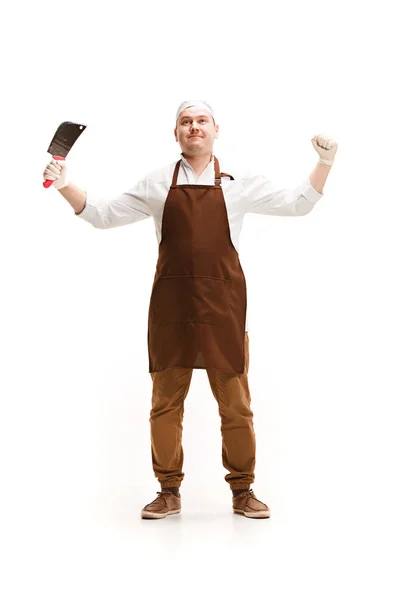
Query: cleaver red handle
{"points": [[50, 182]]}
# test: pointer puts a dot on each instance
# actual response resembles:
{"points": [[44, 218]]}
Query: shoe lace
{"points": [[164, 493], [159, 494], [248, 493]]}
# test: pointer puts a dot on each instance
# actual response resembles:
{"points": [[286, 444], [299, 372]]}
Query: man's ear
{"points": [[217, 130], [176, 139]]}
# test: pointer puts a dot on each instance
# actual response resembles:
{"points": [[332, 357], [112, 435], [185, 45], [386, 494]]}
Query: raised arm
{"points": [[326, 147], [261, 195], [75, 196], [319, 175], [129, 207]]}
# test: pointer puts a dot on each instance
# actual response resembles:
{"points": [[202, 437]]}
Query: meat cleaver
{"points": [[62, 142]]}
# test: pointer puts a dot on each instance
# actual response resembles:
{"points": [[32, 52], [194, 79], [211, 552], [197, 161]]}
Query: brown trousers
{"points": [[231, 390]]}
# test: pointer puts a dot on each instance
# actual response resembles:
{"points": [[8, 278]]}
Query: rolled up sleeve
{"points": [[130, 207], [263, 196]]}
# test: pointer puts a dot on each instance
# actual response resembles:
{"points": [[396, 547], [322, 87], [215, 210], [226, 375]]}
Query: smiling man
{"points": [[198, 307], [196, 133]]}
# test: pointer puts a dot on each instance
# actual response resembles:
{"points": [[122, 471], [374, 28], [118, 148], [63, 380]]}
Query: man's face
{"points": [[195, 131]]}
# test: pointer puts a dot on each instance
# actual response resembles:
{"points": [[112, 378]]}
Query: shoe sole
{"points": [[150, 515], [262, 514]]}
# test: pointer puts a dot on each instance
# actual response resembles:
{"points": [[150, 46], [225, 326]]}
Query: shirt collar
{"points": [[187, 164]]}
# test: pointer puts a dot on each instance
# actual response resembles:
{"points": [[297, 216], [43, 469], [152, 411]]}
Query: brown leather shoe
{"points": [[165, 504], [247, 504]]}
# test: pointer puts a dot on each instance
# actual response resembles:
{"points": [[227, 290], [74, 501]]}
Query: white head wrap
{"points": [[200, 103]]}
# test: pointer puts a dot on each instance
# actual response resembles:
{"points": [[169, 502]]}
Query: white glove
{"points": [[326, 148], [57, 171]]}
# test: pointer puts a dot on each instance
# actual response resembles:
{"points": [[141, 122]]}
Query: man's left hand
{"points": [[326, 148]]}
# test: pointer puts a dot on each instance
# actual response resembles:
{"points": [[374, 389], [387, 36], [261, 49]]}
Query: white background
{"points": [[323, 303]]}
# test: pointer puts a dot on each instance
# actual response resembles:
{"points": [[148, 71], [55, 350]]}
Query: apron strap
{"points": [[218, 174], [175, 177]]}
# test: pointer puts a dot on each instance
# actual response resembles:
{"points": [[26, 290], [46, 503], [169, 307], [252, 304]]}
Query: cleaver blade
{"points": [[63, 140]]}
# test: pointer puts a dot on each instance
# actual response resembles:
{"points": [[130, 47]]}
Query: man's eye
{"points": [[185, 122]]}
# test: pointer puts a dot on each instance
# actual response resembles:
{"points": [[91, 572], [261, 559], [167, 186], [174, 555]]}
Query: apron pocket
{"points": [[186, 299]]}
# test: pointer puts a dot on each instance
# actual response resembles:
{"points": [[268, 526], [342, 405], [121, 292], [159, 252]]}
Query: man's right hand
{"points": [[57, 171]]}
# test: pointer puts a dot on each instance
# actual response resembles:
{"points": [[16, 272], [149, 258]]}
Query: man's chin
{"points": [[195, 150]]}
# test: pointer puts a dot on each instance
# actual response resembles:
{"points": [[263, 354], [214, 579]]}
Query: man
{"points": [[197, 314]]}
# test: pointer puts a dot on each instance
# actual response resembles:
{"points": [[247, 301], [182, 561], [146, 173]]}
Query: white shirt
{"points": [[245, 194]]}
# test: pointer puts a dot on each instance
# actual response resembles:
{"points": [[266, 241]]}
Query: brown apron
{"points": [[198, 304]]}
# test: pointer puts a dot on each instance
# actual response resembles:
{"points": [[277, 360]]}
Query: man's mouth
{"points": [[194, 136]]}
